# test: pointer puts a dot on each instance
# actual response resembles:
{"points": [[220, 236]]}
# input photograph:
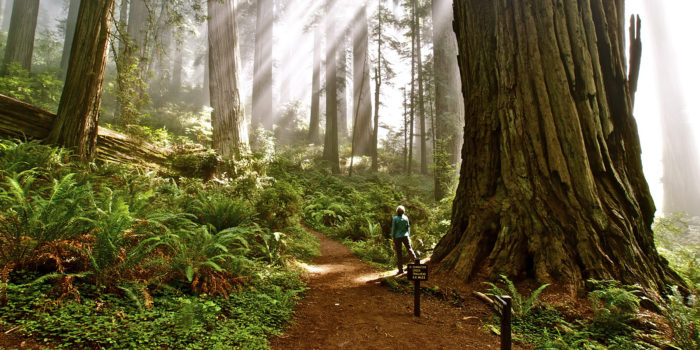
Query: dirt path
{"points": [[346, 308]]}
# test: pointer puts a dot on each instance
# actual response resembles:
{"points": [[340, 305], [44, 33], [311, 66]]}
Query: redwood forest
{"points": [[349, 174]]}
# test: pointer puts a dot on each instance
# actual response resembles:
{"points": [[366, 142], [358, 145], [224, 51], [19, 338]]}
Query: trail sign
{"points": [[417, 272]]}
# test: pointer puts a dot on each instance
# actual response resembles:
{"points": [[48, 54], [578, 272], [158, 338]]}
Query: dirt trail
{"points": [[347, 308]]}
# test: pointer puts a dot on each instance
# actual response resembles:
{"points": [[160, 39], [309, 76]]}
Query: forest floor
{"points": [[346, 307]]}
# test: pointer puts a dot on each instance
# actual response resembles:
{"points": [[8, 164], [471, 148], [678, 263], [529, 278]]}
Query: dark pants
{"points": [[397, 245]]}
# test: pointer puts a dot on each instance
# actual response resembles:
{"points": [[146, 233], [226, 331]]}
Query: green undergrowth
{"points": [[616, 321], [357, 210], [110, 256]]}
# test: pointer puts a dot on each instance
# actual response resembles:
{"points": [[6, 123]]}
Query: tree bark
{"points": [[263, 113], [78, 113], [70, 32], [551, 183], [449, 107], [362, 103], [20, 37], [330, 148], [315, 89], [230, 132]]}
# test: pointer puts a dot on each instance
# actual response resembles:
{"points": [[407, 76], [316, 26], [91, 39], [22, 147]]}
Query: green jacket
{"points": [[400, 227]]}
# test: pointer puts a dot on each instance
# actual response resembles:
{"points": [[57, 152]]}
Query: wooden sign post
{"points": [[417, 272], [503, 305]]}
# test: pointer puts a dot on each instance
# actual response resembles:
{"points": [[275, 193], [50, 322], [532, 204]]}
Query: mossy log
{"points": [[24, 121]]}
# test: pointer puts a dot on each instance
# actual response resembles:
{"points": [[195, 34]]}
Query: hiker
{"points": [[400, 230]]}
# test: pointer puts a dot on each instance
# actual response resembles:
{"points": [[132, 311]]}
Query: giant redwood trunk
{"points": [[76, 121], [20, 37], [229, 130], [551, 183], [362, 99]]}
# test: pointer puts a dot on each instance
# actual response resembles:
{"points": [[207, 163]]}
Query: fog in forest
{"points": [[666, 106]]}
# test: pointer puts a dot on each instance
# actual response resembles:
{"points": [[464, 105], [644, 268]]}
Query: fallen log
{"points": [[22, 120]]}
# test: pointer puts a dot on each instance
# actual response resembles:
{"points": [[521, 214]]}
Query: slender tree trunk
{"points": [[330, 149], [6, 15], [362, 100], [377, 87], [263, 113], [137, 31], [413, 95], [449, 106], [3, 5], [551, 183], [679, 148], [405, 131], [70, 32], [20, 38], [315, 89], [230, 132], [421, 101], [78, 113], [342, 94], [176, 85]]}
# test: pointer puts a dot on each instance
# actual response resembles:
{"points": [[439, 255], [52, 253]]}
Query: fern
{"points": [[520, 307]]}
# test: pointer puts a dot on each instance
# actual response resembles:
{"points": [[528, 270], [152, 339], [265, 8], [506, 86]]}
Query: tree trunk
{"points": [[330, 148], [137, 31], [421, 100], [342, 83], [449, 106], [412, 96], [263, 113], [230, 132], [79, 110], [176, 84], [362, 102], [405, 131], [315, 89], [20, 38], [6, 15], [70, 32], [679, 149], [377, 87], [551, 183]]}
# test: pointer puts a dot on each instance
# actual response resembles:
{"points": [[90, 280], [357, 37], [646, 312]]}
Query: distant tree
{"points": [[20, 38], [315, 89], [263, 111], [421, 102], [342, 84], [76, 121], [70, 32], [230, 132], [6, 15], [551, 183], [362, 100], [330, 148], [383, 72], [449, 106]]}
